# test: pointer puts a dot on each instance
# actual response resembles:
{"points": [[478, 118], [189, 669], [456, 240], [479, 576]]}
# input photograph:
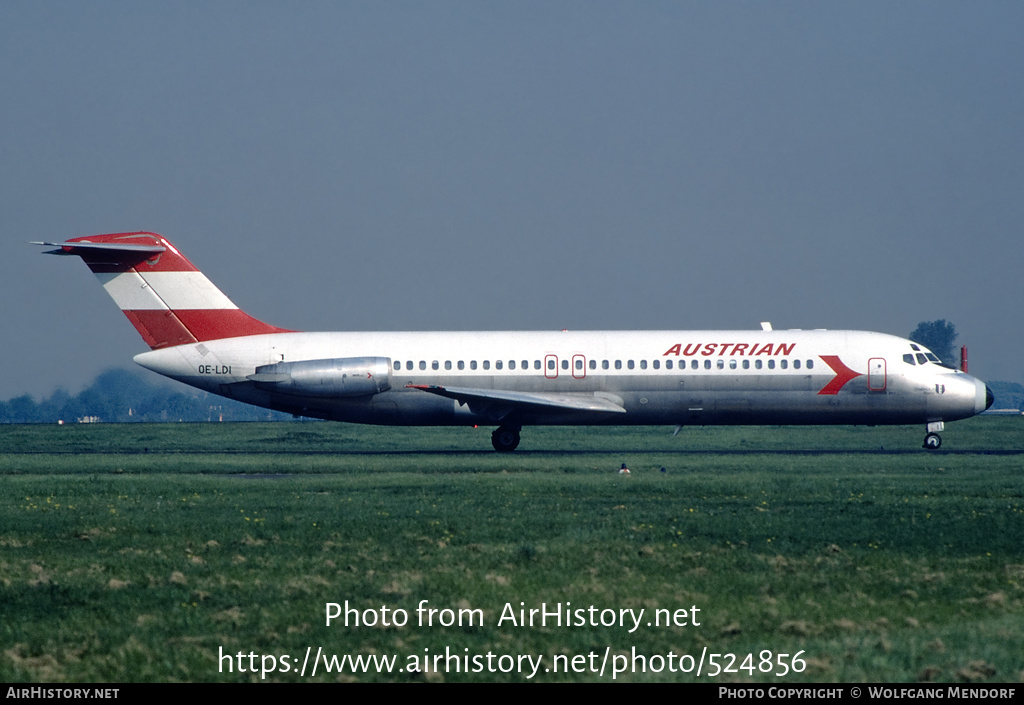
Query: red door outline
{"points": [[876, 374], [551, 370], [582, 368]]}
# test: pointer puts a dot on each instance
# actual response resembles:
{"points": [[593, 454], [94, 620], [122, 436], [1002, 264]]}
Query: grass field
{"points": [[147, 552]]}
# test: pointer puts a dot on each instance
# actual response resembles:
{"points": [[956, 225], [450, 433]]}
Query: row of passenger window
{"points": [[577, 364]]}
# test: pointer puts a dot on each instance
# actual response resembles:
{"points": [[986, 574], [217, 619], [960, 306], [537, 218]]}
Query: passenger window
{"points": [[604, 364], [629, 364], [707, 364], [668, 365], [536, 364], [551, 364], [618, 364], [462, 365], [511, 364], [757, 364], [732, 364], [721, 364], [578, 364], [771, 364], [593, 364], [487, 364], [447, 364], [746, 364], [643, 364], [656, 364], [408, 364], [398, 365], [565, 364], [695, 365], [784, 364], [497, 364], [810, 364], [796, 364], [435, 365], [472, 364], [423, 364], [526, 364]]}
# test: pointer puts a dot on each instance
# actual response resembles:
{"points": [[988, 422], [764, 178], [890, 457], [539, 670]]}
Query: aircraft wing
{"points": [[493, 399]]}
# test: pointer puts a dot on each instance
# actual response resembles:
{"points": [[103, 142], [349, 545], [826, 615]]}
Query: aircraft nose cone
{"points": [[983, 396]]}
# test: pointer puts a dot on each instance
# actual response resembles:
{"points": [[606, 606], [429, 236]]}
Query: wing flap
{"points": [[574, 402]]}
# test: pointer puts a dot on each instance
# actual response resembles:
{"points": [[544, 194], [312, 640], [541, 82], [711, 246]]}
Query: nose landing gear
{"points": [[932, 440], [505, 439]]}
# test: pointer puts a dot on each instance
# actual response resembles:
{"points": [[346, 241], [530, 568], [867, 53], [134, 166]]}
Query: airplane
{"points": [[514, 379]]}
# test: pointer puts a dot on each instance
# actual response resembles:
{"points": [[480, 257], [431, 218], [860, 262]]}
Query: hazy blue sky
{"points": [[536, 165]]}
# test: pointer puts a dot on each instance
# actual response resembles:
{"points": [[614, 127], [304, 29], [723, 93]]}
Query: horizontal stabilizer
{"points": [[77, 248], [576, 402]]}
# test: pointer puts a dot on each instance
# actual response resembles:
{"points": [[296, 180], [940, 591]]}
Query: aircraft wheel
{"points": [[932, 441], [505, 440]]}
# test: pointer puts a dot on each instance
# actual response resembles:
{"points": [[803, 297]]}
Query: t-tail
{"points": [[166, 298]]}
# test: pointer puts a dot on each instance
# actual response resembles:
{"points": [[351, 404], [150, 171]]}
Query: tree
{"points": [[938, 336], [22, 409]]}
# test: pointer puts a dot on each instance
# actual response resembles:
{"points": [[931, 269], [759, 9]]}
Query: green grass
{"points": [[138, 552]]}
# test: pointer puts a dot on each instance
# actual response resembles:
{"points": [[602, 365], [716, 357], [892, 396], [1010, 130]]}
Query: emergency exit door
{"points": [[876, 374]]}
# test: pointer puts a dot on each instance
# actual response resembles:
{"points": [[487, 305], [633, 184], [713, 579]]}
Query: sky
{"points": [[517, 165]]}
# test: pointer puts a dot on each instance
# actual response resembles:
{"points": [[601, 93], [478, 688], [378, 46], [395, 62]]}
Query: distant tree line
{"points": [[125, 396]]}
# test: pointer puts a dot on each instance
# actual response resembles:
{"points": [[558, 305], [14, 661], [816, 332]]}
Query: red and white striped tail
{"points": [[166, 298]]}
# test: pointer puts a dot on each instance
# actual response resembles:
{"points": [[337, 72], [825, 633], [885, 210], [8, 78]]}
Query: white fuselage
{"points": [[654, 377]]}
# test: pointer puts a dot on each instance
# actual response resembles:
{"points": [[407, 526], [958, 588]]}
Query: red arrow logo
{"points": [[843, 374]]}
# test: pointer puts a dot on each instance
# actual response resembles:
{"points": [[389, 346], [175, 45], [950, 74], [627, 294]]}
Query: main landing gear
{"points": [[932, 441], [505, 439]]}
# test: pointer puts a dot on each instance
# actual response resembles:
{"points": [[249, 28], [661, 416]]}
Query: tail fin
{"points": [[166, 298]]}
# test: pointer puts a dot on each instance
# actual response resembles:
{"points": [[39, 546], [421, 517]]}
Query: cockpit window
{"points": [[909, 359], [933, 358], [921, 358], [914, 347]]}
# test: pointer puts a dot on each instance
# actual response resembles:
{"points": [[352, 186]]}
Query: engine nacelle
{"points": [[339, 377]]}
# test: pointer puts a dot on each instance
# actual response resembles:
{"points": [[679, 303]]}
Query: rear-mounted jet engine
{"points": [[339, 377]]}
